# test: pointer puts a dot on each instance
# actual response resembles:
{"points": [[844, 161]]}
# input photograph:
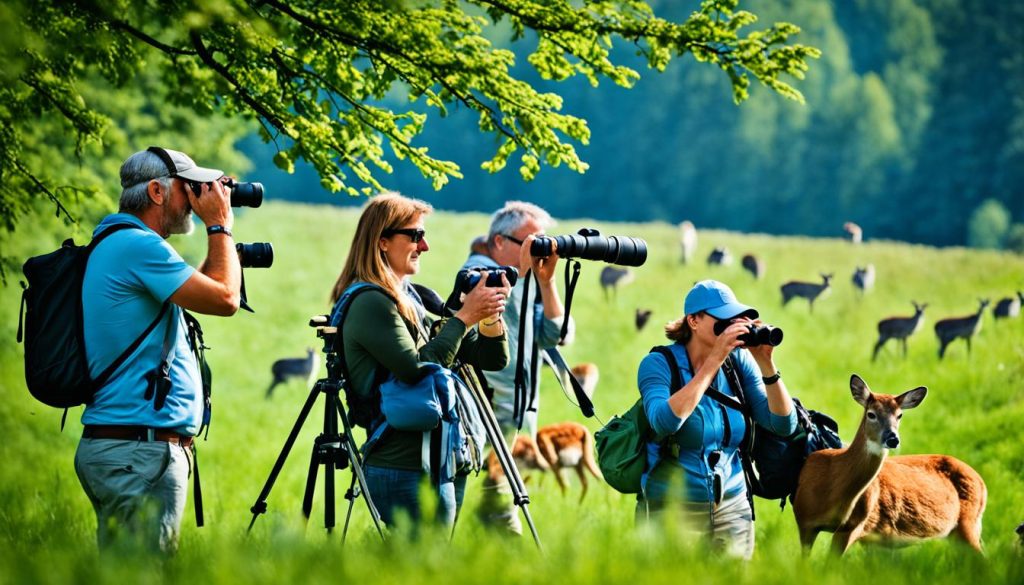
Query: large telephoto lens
{"points": [[255, 255], [246, 194], [626, 251]]}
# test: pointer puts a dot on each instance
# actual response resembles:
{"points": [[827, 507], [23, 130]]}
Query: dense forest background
{"points": [[913, 128]]}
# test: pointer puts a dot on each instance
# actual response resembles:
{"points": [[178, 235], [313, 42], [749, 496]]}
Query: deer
{"points": [[642, 316], [612, 278], [806, 290], [948, 330], [687, 240], [588, 375], [1008, 307], [864, 278], [899, 328], [305, 368], [853, 231], [858, 493], [720, 256], [559, 446], [753, 265]]}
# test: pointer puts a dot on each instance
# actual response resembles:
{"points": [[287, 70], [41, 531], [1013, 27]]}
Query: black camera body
{"points": [[255, 255], [756, 334], [589, 244], [242, 194], [468, 278]]}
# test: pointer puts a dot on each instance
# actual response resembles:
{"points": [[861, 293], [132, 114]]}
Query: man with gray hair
{"points": [[136, 455], [513, 229]]}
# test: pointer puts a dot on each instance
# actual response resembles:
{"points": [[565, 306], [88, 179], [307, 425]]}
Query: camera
{"points": [[468, 278], [756, 334], [242, 194], [255, 255], [589, 244]]}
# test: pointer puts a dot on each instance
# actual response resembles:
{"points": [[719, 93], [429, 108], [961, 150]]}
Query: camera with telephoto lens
{"points": [[242, 194], [468, 278], [589, 244], [756, 334], [255, 255]]}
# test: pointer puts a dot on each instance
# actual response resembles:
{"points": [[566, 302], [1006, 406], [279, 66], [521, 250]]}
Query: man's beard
{"points": [[182, 224]]}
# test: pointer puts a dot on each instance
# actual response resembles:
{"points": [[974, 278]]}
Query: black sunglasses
{"points": [[415, 234], [513, 238]]}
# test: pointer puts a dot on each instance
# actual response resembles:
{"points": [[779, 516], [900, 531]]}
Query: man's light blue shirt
{"points": [[129, 276]]}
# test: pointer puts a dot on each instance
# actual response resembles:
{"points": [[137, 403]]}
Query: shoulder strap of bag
{"points": [[676, 381]]}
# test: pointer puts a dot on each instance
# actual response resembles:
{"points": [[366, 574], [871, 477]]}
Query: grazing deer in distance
{"points": [[642, 316], [967, 327], [864, 278], [565, 445], [305, 368], [806, 290], [613, 277], [899, 328], [720, 256], [857, 493], [853, 231], [687, 240], [1008, 307], [753, 265]]}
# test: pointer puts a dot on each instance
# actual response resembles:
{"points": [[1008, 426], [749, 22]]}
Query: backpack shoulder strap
{"points": [[676, 381], [736, 402]]}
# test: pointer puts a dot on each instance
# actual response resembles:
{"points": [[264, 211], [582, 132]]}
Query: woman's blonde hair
{"points": [[366, 262], [679, 330]]}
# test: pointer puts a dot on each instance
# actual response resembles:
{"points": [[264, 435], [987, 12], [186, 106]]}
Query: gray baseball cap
{"points": [[181, 165]]}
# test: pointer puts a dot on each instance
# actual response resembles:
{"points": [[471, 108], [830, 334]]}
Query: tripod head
{"points": [[329, 335]]}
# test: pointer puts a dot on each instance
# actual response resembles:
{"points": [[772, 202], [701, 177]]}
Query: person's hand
{"points": [[728, 341], [543, 268], [213, 203], [483, 301], [763, 354]]}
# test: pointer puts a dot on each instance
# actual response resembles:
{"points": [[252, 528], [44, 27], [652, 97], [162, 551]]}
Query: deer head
{"points": [[918, 309], [882, 412]]}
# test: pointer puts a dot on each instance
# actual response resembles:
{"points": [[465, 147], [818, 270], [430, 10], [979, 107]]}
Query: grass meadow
{"points": [[973, 411]]}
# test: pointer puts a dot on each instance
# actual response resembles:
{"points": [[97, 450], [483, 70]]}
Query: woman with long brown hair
{"points": [[384, 331]]}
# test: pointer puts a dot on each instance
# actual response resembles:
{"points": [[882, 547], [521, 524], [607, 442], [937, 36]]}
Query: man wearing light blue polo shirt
{"points": [[134, 458]]}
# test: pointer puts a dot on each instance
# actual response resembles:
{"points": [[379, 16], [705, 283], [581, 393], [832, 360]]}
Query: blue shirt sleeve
{"points": [[756, 396], [654, 379], [156, 265]]}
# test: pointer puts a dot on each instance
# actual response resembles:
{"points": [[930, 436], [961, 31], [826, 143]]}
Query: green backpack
{"points": [[622, 444]]}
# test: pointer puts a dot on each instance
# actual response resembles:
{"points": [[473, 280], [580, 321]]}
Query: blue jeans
{"points": [[398, 491]]}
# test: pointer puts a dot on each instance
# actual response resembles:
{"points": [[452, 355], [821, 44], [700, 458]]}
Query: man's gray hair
{"points": [[510, 218], [136, 173]]}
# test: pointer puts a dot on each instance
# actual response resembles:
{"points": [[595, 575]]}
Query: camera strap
{"points": [[519, 394], [570, 288]]}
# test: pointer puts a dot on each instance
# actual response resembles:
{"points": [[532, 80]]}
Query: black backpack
{"points": [[56, 367], [771, 462]]}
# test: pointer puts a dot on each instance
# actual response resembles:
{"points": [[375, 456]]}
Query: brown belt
{"points": [[129, 433]]}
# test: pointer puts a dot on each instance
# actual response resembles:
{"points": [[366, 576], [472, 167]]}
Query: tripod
{"points": [[332, 449]]}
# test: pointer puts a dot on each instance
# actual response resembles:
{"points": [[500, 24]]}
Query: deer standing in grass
{"points": [[1008, 307], [967, 327], [304, 368], [612, 278], [806, 290], [864, 278], [899, 328], [857, 493]]}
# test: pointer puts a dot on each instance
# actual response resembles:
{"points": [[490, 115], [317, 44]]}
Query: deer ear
{"points": [[912, 398], [859, 389]]}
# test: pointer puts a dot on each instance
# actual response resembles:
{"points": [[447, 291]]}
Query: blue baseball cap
{"points": [[717, 300]]}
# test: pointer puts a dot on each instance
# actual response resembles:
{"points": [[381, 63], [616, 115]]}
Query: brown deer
{"points": [[899, 328], [588, 375], [806, 290], [559, 446], [948, 330], [857, 493]]}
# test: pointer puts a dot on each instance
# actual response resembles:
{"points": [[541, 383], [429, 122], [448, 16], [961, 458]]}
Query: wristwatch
{"points": [[218, 229], [772, 379]]}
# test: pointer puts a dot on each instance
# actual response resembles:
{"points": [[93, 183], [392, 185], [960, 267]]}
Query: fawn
{"points": [[899, 328], [858, 494], [305, 368], [612, 278], [559, 446], [720, 256], [1008, 307], [967, 327], [806, 290], [864, 278], [753, 265], [588, 375], [687, 240]]}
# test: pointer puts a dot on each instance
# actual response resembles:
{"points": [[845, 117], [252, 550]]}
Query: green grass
{"points": [[972, 412]]}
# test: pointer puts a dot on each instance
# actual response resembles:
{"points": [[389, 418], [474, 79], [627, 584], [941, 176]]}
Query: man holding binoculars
{"points": [[136, 455], [512, 232]]}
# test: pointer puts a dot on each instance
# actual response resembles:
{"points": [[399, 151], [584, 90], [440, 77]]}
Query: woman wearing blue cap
{"points": [[695, 468]]}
